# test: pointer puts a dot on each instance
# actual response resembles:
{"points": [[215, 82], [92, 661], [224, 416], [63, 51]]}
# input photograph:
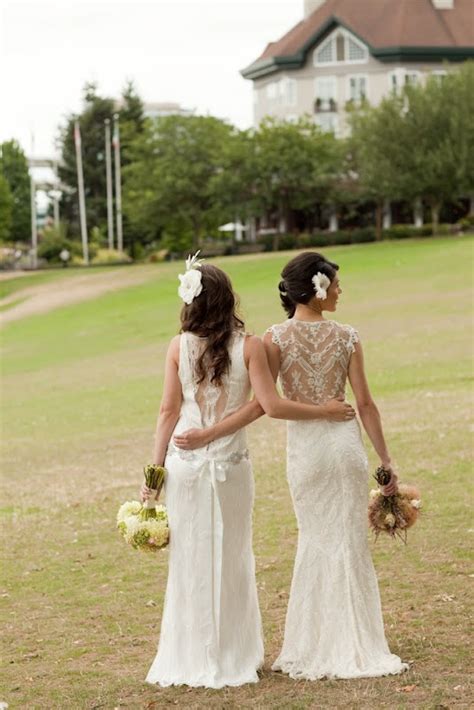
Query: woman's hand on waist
{"points": [[337, 410], [193, 438]]}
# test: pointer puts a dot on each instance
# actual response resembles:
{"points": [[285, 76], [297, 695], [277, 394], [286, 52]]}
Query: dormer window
{"points": [[340, 48]]}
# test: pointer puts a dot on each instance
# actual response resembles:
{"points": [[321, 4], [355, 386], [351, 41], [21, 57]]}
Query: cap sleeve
{"points": [[352, 338], [273, 331]]}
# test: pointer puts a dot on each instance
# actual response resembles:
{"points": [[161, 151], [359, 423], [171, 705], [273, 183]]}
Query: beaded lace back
{"points": [[314, 358], [214, 401]]}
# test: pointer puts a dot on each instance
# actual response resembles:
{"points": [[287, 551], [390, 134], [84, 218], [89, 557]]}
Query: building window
{"points": [[341, 48], [282, 91], [325, 54], [440, 74], [271, 90], [401, 77], [357, 88], [412, 77], [325, 94], [355, 50], [287, 91], [328, 122]]}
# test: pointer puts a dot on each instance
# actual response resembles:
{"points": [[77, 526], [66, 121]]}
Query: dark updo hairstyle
{"points": [[296, 285], [212, 315]]}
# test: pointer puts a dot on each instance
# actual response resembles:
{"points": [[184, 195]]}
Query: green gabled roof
{"points": [[268, 64]]}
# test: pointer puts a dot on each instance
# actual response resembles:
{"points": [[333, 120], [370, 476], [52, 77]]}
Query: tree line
{"points": [[183, 176]]}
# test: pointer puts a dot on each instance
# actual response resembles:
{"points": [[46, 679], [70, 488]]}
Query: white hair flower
{"points": [[191, 280], [321, 283]]}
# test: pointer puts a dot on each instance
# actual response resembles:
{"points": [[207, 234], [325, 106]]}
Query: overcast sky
{"points": [[188, 51]]}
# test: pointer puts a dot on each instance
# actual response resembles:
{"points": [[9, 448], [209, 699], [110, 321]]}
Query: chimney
{"points": [[312, 5], [443, 4]]}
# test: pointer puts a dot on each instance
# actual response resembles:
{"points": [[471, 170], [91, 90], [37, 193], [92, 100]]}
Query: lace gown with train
{"points": [[211, 632], [334, 626]]}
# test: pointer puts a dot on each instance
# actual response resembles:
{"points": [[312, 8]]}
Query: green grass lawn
{"points": [[80, 392]]}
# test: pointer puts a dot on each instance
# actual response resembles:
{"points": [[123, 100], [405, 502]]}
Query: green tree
{"points": [[132, 124], [376, 154], [234, 183], [169, 186], [419, 144], [91, 122], [439, 138], [296, 166], [6, 208], [14, 167]]}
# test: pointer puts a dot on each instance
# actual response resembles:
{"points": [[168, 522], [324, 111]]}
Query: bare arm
{"points": [[249, 412], [170, 404], [369, 414], [277, 407]]}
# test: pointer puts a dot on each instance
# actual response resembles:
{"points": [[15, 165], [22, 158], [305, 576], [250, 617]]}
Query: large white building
{"points": [[344, 51]]}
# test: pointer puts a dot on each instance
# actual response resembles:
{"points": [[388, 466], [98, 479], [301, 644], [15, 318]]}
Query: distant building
{"points": [[157, 109], [344, 51]]}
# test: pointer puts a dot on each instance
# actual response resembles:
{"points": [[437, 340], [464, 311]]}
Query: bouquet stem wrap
{"points": [[154, 479], [393, 514]]}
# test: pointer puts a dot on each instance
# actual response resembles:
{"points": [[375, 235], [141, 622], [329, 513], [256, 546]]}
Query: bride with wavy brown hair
{"points": [[211, 629]]}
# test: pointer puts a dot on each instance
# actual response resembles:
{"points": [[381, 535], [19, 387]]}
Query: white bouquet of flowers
{"points": [[145, 527]]}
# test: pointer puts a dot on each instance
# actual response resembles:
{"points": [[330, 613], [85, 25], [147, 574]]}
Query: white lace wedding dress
{"points": [[211, 631], [334, 626]]}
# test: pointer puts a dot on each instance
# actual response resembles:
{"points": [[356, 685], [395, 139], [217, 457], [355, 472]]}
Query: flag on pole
{"points": [[77, 134]]}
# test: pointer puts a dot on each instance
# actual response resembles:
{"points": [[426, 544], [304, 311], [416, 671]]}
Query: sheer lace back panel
{"points": [[314, 358], [212, 403]]}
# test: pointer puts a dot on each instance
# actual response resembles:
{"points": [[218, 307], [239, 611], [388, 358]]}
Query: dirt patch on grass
{"points": [[47, 297]]}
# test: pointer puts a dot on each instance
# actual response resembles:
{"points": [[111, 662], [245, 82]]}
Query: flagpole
{"points": [[82, 199], [110, 196], [118, 183], [34, 227]]}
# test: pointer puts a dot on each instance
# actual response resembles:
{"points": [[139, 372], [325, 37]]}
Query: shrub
{"points": [[111, 256], [320, 240], [400, 231], [304, 240], [266, 240], [287, 241], [156, 257], [52, 245], [466, 223], [364, 234], [426, 230], [342, 236], [444, 229]]}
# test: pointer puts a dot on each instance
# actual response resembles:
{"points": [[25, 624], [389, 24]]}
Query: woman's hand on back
{"points": [[339, 411], [192, 439]]}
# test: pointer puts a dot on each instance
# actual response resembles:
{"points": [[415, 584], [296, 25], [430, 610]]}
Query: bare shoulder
{"points": [[173, 347], [252, 343]]}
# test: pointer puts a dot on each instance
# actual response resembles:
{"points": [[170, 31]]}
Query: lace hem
{"points": [[166, 683], [293, 669]]}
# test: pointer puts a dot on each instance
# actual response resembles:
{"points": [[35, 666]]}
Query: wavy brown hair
{"points": [[212, 315]]}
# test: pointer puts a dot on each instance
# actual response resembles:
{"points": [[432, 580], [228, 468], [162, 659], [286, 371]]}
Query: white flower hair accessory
{"points": [[321, 283], [191, 280]]}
